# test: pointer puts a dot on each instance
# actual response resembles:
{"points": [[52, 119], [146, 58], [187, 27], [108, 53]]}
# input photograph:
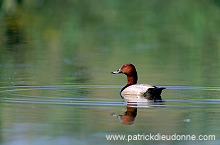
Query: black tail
{"points": [[153, 93]]}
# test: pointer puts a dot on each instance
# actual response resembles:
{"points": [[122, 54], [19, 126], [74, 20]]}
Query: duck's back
{"points": [[136, 89]]}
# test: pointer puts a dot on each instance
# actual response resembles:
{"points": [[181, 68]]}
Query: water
{"points": [[55, 64], [53, 115]]}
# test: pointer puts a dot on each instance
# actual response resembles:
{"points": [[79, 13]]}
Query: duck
{"points": [[133, 89]]}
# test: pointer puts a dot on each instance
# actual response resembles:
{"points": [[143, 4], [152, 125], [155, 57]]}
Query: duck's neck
{"points": [[132, 78]]}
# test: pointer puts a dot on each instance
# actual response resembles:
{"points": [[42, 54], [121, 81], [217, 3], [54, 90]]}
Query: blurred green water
{"points": [[177, 41]]}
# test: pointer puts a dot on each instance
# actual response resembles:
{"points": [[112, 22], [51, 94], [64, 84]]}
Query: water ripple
{"points": [[21, 94]]}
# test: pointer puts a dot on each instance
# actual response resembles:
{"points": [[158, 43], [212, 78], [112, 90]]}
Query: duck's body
{"points": [[145, 90], [137, 90]]}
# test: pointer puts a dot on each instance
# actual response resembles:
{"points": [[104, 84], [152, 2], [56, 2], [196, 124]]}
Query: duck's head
{"points": [[128, 69]]}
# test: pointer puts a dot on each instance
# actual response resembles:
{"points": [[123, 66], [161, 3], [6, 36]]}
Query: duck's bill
{"points": [[117, 71]]}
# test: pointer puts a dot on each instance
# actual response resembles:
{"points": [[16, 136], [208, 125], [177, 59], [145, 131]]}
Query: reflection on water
{"points": [[13, 32], [55, 59], [129, 116], [14, 35]]}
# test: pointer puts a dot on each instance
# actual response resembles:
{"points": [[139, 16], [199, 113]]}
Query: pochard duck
{"points": [[133, 89]]}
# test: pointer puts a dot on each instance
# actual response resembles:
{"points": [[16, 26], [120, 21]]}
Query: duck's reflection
{"points": [[130, 114]]}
